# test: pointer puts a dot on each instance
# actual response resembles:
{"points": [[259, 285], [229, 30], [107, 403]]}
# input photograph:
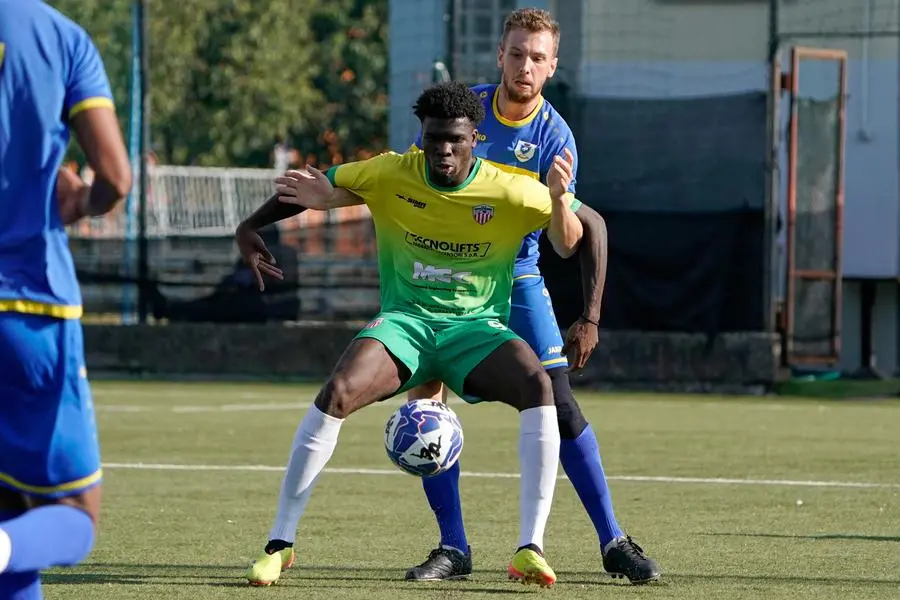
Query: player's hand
{"points": [[560, 176], [71, 194], [257, 256], [581, 339], [308, 187]]}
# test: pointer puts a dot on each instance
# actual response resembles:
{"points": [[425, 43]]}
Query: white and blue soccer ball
{"points": [[423, 438]]}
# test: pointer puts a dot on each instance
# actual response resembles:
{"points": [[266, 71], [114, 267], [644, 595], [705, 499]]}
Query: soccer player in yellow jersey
{"points": [[449, 226]]}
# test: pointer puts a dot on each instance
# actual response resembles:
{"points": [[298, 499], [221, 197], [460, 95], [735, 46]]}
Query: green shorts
{"points": [[437, 351]]}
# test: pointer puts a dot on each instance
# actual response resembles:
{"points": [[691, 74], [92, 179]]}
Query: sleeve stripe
{"points": [[89, 103], [330, 174]]}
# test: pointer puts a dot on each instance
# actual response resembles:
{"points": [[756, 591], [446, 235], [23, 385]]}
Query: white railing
{"points": [[192, 201]]}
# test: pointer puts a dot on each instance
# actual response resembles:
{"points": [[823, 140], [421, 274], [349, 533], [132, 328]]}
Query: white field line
{"points": [[633, 478], [215, 408], [200, 408]]}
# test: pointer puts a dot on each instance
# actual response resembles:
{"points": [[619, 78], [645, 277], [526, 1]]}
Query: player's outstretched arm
{"points": [[310, 188], [583, 335], [285, 203], [565, 229], [97, 132]]}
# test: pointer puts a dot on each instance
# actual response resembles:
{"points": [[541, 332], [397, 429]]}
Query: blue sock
{"points": [[20, 586], [581, 460], [48, 536], [442, 492]]}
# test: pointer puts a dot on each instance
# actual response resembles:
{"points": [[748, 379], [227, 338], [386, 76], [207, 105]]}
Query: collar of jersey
{"points": [[495, 105], [468, 180]]}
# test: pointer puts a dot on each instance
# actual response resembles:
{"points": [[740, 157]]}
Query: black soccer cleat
{"points": [[627, 559], [442, 563]]}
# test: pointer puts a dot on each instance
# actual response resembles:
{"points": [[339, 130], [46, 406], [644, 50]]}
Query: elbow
{"points": [[567, 250], [593, 224], [121, 183], [118, 180], [566, 245]]}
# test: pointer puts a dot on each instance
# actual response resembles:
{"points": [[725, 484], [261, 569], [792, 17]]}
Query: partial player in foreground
{"points": [[444, 306], [51, 78], [523, 133]]}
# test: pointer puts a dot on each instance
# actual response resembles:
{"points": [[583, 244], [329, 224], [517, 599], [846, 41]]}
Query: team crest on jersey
{"points": [[524, 151], [483, 213]]}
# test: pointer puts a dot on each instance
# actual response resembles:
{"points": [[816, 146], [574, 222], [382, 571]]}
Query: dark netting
{"points": [[681, 183], [818, 161]]}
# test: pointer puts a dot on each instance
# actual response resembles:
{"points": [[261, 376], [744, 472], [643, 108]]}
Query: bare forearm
{"points": [[592, 256], [272, 211], [565, 230]]}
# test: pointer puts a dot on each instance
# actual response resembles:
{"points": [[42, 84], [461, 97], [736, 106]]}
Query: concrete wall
{"points": [[660, 361]]}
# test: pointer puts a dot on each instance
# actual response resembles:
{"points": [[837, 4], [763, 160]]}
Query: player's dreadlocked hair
{"points": [[449, 100]]}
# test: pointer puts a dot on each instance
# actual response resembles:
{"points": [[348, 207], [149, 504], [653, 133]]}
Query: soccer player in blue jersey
{"points": [[522, 133], [51, 79]]}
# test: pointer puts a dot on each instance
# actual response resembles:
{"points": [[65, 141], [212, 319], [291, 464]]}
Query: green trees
{"points": [[229, 78]]}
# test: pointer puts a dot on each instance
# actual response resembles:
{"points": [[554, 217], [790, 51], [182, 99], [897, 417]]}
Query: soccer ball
{"points": [[423, 438]]}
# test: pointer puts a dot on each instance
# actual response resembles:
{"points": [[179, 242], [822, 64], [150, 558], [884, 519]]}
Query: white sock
{"points": [[314, 444], [539, 455], [5, 550]]}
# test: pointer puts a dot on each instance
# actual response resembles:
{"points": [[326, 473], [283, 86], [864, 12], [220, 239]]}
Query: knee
{"points": [[536, 389], [568, 413], [336, 398]]}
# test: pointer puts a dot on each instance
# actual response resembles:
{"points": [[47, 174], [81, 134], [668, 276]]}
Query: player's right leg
{"points": [[382, 361], [49, 454]]}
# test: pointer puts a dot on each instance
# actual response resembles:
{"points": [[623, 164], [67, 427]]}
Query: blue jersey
{"points": [[49, 71], [526, 147]]}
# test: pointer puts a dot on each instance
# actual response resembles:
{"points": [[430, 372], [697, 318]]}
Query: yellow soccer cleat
{"points": [[528, 566], [266, 569]]}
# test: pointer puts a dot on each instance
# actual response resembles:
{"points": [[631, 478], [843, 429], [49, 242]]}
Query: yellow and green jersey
{"points": [[446, 254]]}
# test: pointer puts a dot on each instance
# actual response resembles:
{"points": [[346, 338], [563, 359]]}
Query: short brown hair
{"points": [[532, 20]]}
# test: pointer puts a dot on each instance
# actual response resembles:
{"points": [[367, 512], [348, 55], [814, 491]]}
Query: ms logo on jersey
{"points": [[524, 151], [435, 274], [482, 213]]}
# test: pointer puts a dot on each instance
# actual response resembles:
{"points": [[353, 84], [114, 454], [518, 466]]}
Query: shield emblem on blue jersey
{"points": [[524, 151], [483, 213]]}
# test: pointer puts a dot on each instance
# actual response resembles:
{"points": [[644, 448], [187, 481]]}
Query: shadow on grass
{"points": [[815, 536], [343, 577]]}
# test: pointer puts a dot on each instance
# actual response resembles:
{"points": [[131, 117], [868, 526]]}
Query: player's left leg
{"points": [[533, 319], [484, 359], [49, 454]]}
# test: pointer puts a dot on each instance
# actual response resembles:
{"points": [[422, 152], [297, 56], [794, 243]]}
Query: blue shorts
{"points": [[48, 434], [532, 319]]}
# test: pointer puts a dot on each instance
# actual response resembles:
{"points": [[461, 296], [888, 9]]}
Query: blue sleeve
{"points": [[557, 145], [87, 85], [570, 144]]}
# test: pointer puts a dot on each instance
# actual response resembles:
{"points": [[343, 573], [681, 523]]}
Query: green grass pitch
{"points": [[735, 497]]}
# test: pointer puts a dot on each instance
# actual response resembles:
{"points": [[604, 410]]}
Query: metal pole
{"points": [[143, 259], [771, 258], [450, 12]]}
